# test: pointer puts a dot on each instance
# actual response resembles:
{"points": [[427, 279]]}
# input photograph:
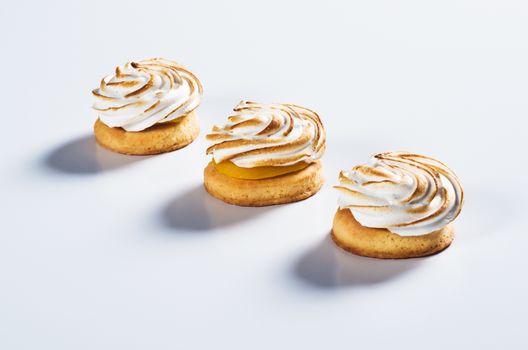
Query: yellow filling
{"points": [[262, 172]]}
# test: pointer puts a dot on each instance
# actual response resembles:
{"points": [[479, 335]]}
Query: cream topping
{"points": [[406, 193], [141, 94], [268, 135]]}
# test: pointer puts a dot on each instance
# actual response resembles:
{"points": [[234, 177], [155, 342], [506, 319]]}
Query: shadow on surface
{"points": [[197, 210], [328, 266], [84, 156]]}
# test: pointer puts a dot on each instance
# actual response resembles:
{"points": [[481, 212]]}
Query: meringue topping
{"points": [[406, 193], [268, 135], [141, 94]]}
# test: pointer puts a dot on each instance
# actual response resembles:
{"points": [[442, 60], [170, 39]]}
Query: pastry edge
{"points": [[389, 245], [160, 138], [283, 189]]}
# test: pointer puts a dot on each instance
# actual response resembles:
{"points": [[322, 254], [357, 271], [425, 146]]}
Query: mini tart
{"points": [[286, 188], [159, 138], [351, 236]]}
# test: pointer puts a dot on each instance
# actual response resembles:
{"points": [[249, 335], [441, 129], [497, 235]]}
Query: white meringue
{"points": [[268, 135], [141, 94], [408, 194]]}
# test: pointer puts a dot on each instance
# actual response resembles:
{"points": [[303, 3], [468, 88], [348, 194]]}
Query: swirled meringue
{"points": [[141, 94], [408, 194], [268, 135]]}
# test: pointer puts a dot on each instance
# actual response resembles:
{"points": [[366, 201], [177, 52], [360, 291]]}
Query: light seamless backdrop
{"points": [[104, 251]]}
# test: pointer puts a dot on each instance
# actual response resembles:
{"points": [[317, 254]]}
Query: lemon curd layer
{"points": [[230, 169]]}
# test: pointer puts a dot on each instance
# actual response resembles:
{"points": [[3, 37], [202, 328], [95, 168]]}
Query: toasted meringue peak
{"points": [[141, 94], [406, 193], [268, 135]]}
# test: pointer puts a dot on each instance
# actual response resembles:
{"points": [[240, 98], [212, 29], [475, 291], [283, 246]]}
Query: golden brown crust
{"points": [[160, 138], [351, 236], [282, 189]]}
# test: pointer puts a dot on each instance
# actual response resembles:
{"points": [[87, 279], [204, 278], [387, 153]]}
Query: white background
{"points": [[104, 251]]}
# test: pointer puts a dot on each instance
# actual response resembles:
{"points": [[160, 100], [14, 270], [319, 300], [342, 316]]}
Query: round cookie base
{"points": [[351, 236], [159, 138], [281, 189]]}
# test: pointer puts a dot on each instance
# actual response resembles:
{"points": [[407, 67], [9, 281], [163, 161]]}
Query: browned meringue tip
{"points": [[390, 168], [145, 84], [266, 129]]}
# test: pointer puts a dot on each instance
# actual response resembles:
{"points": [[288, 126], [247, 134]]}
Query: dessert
{"points": [[399, 205], [266, 154], [147, 107]]}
